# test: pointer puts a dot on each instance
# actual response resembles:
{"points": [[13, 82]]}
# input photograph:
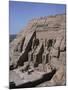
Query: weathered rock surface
{"points": [[39, 52]]}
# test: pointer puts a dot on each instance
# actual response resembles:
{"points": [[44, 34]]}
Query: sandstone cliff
{"points": [[42, 44]]}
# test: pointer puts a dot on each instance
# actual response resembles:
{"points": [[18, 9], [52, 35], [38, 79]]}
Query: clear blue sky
{"points": [[21, 12]]}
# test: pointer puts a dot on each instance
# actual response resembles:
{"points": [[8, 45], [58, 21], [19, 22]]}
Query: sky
{"points": [[21, 12]]}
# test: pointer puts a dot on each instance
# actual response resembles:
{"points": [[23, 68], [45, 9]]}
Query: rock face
{"points": [[40, 47]]}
